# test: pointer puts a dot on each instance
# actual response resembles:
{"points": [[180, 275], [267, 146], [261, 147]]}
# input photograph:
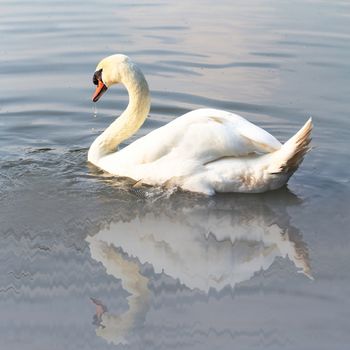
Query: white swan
{"points": [[206, 150]]}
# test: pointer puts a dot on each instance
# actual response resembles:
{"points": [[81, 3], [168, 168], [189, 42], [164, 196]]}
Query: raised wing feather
{"points": [[261, 140]]}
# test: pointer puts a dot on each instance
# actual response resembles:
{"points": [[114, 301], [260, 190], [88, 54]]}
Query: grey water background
{"points": [[274, 62]]}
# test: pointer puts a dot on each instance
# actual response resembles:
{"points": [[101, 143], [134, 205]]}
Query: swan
{"points": [[205, 150]]}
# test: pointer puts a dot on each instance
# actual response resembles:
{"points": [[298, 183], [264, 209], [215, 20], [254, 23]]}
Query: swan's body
{"points": [[206, 150]]}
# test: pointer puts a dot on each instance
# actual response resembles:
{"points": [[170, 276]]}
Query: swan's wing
{"points": [[222, 134], [241, 136]]}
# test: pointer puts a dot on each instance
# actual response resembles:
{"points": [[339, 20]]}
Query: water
{"points": [[173, 270]]}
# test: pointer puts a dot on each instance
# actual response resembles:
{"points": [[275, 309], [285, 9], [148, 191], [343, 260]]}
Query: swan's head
{"points": [[108, 72]]}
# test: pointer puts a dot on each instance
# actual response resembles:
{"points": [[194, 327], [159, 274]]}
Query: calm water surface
{"points": [[89, 262]]}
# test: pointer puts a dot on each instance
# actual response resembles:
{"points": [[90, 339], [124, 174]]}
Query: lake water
{"points": [[172, 271]]}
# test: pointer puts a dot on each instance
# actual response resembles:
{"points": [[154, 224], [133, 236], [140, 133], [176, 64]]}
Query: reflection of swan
{"points": [[112, 327], [205, 150], [201, 248]]}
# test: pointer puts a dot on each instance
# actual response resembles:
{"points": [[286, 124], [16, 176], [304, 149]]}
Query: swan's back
{"points": [[202, 134]]}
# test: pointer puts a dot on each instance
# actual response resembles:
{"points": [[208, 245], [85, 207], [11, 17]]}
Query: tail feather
{"points": [[288, 158]]}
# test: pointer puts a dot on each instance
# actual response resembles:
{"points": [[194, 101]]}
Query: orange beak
{"points": [[100, 89]]}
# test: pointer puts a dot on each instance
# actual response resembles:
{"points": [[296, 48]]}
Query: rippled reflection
{"points": [[204, 246]]}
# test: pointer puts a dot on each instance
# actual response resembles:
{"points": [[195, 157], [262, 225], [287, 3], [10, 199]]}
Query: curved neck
{"points": [[130, 120]]}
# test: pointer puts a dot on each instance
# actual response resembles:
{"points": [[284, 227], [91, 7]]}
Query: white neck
{"points": [[130, 120]]}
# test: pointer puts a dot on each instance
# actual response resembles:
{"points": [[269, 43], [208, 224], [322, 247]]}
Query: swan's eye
{"points": [[97, 76]]}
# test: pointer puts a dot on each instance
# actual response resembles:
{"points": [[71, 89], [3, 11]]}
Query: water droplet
{"points": [[95, 111]]}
